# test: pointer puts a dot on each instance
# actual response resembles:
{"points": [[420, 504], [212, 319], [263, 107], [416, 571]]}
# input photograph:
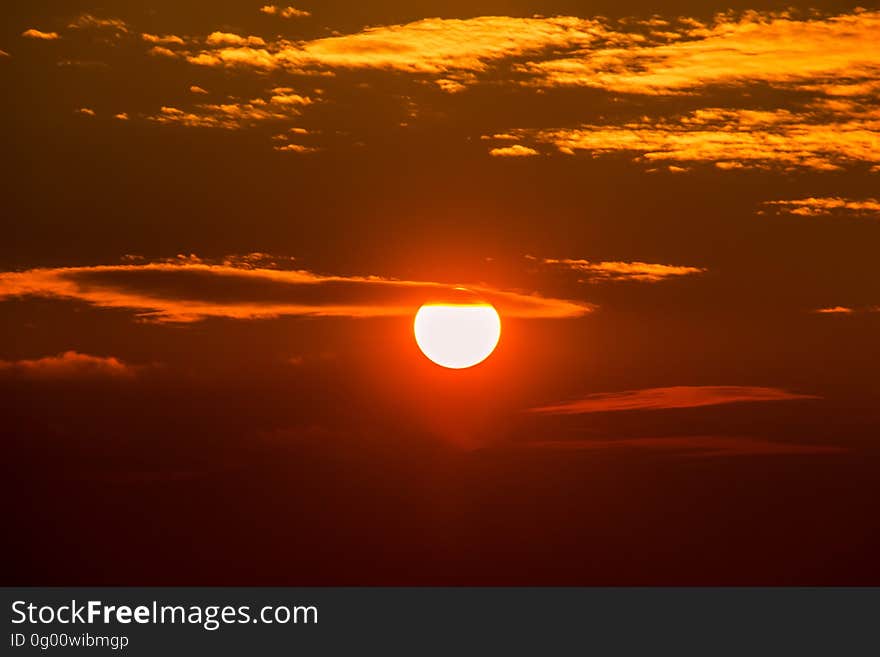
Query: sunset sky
{"points": [[220, 219]]}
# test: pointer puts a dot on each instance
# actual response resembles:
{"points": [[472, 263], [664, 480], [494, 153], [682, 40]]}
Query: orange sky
{"points": [[220, 219]]}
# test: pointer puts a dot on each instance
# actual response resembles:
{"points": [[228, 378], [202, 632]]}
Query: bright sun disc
{"points": [[457, 335]]}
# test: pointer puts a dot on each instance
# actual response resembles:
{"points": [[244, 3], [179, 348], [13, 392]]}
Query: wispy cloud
{"points": [[826, 68], [830, 66], [280, 105], [284, 12], [33, 33], [834, 55], [69, 364], [827, 206], [835, 310], [166, 39], [624, 271], [818, 139], [693, 446], [88, 21], [190, 290], [846, 310], [650, 399], [831, 53], [429, 46], [778, 49]]}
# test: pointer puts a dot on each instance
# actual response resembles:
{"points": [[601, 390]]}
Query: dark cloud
{"points": [[651, 399], [69, 364]]}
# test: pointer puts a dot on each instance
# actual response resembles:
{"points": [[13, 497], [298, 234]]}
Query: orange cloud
{"points": [[451, 86], [625, 271], [284, 12], [230, 39], [846, 310], [430, 46], [37, 34], [235, 115], [754, 47], [189, 290], [513, 151], [835, 54], [733, 139], [835, 310], [161, 51], [166, 40], [822, 206], [85, 111], [832, 55], [296, 148], [70, 364], [85, 21], [829, 62], [666, 398]]}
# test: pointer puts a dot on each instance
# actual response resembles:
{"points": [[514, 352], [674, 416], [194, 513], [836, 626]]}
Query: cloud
{"points": [[834, 54], [230, 39], [284, 12], [37, 34], [733, 138], [296, 148], [829, 121], [778, 49], [189, 290], [70, 364], [827, 206], [829, 66], [194, 89], [166, 40], [513, 151], [835, 310], [846, 310], [625, 271], [697, 446], [85, 111], [3, 53], [451, 86], [161, 51], [831, 55], [280, 105], [87, 21], [428, 46], [667, 398]]}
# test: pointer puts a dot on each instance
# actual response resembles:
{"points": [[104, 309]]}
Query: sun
{"points": [[457, 335]]}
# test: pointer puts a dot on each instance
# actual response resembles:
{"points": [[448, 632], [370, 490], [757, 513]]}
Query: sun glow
{"points": [[457, 335]]}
